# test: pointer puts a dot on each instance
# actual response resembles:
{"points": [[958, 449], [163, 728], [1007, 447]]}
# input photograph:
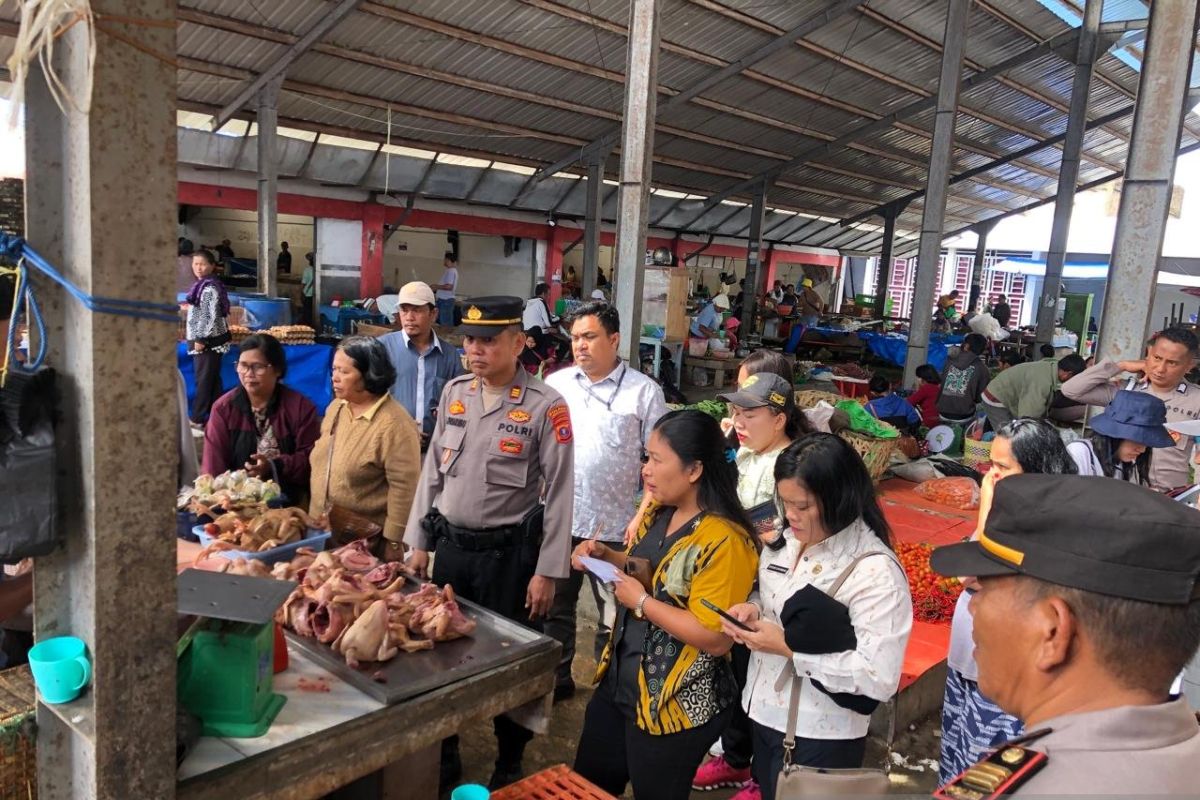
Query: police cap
{"points": [[487, 316], [1096, 534]]}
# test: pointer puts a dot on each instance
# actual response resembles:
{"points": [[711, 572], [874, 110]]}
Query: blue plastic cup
{"points": [[470, 791], [60, 668]]}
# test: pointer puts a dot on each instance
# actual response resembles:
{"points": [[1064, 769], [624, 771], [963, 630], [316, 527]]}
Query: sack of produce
{"points": [[960, 493]]}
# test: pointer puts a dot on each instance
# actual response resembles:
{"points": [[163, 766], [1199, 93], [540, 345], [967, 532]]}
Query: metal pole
{"points": [[1068, 173], [883, 275], [592, 222], [637, 151], [1146, 190], [758, 210], [268, 187], [112, 582], [933, 217], [981, 232]]}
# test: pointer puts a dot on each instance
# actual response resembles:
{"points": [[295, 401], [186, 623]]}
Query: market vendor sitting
{"points": [[707, 323], [890, 407], [262, 426]]}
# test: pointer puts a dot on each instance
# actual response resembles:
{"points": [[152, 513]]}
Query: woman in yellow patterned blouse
{"points": [[666, 688]]}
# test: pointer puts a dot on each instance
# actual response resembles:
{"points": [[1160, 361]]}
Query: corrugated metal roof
{"points": [[533, 81]]}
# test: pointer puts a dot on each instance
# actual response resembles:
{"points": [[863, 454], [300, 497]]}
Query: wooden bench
{"points": [[717, 365]]}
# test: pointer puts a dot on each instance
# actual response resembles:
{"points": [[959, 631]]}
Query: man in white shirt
{"points": [[537, 310], [445, 289], [613, 409]]}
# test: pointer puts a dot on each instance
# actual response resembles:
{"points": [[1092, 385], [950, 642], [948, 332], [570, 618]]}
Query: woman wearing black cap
{"points": [[1123, 438], [845, 650]]}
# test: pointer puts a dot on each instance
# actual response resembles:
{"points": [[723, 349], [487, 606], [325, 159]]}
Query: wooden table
{"points": [[717, 365]]}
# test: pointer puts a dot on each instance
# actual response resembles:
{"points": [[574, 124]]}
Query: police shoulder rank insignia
{"points": [[999, 774], [512, 446], [560, 419], [457, 407], [519, 416], [473, 313], [514, 393]]}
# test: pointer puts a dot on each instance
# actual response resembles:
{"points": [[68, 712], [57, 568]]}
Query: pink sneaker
{"points": [[717, 774], [749, 792]]}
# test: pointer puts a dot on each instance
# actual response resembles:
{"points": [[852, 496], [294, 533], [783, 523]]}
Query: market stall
{"points": [[309, 368], [893, 347]]}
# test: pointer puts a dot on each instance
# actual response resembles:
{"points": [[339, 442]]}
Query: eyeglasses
{"points": [[253, 369]]}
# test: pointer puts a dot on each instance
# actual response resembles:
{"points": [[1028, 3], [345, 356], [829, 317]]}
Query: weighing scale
{"points": [[940, 438], [226, 655]]}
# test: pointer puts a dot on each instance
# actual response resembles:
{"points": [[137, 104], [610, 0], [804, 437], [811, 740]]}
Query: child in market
{"points": [[925, 398], [207, 306], [890, 407]]}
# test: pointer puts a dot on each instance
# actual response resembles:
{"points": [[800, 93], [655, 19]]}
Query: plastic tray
{"points": [[314, 539]]}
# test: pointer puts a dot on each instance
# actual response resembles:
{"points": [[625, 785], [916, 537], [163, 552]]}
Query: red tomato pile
{"points": [[933, 596]]}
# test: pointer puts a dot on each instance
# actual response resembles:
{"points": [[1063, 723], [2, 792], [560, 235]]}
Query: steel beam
{"points": [[280, 67], [981, 233], [268, 186], [637, 160], [810, 24], [593, 221], [1146, 192], [758, 210], [1068, 175], [100, 203], [933, 215], [883, 275]]}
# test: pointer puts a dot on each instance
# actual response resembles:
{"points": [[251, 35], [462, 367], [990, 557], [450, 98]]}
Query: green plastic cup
{"points": [[60, 668], [470, 791]]}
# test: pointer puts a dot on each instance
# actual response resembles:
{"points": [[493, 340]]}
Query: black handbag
{"points": [[29, 513]]}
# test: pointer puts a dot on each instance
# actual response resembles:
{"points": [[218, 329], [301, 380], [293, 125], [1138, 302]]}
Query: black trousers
{"points": [[498, 581], [207, 366], [738, 739], [613, 751], [828, 753]]}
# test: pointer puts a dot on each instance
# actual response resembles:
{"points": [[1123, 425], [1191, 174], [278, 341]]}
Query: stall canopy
{"points": [[1172, 272], [502, 103]]}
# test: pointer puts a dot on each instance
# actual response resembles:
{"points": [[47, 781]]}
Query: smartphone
{"points": [[716, 609]]}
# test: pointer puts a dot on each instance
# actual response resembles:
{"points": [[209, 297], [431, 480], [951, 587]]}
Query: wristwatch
{"points": [[639, 611]]}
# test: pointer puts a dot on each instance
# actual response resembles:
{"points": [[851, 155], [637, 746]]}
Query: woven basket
{"points": [[554, 783], [976, 452], [18, 760], [809, 398], [876, 453]]}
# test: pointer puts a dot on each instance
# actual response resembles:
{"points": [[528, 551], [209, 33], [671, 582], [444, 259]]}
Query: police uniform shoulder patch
{"points": [[560, 420], [1001, 773], [457, 407], [519, 415]]}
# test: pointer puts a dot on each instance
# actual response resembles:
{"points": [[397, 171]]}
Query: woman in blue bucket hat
{"points": [[1123, 437]]}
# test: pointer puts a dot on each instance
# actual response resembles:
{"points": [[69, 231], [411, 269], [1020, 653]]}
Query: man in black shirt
{"points": [[283, 262]]}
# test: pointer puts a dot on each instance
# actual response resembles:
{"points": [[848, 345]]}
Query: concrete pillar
{"points": [[758, 210], [593, 222], [1068, 173], [933, 218], [555, 243], [268, 187], [981, 232], [101, 207], [1146, 188], [373, 240], [883, 275], [637, 150]]}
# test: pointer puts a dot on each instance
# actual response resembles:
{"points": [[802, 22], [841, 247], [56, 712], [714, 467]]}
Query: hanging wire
{"points": [[42, 23]]}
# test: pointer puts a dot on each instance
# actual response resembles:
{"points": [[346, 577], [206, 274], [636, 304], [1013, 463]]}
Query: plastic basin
{"points": [[314, 539]]}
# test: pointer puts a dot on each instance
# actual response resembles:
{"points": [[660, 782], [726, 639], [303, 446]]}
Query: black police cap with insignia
{"points": [[487, 316], [1097, 534]]}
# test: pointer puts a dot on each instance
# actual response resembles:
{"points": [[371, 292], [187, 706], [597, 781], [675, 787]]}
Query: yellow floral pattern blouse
{"points": [[680, 686]]}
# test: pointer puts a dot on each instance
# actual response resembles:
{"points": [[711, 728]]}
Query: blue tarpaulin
{"points": [[308, 369], [893, 347]]}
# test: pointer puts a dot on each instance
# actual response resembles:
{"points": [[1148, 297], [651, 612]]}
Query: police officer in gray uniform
{"points": [[496, 493], [1086, 610]]}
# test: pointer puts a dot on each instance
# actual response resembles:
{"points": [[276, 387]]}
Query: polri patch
{"points": [[519, 415], [457, 407], [560, 420], [512, 446]]}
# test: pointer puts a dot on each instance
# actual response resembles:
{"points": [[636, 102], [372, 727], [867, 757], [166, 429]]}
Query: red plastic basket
{"points": [[555, 783]]}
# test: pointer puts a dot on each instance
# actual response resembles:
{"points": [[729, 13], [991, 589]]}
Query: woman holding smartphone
{"points": [[665, 687], [847, 650]]}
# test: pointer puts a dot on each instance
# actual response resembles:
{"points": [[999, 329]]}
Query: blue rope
{"points": [[16, 248], [24, 296]]}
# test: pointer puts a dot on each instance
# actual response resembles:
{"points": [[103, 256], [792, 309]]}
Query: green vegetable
{"points": [[714, 408]]}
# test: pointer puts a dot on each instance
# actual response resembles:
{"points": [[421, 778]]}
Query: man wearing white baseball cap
{"points": [[423, 362]]}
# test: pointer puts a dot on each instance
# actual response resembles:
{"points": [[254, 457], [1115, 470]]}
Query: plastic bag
{"points": [[960, 493]]}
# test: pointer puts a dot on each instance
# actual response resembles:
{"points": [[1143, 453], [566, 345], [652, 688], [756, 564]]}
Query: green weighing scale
{"points": [[226, 654]]}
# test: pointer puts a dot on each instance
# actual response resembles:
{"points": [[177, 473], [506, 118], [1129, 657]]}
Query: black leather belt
{"points": [[492, 539]]}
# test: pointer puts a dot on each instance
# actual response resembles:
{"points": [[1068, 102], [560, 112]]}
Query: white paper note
{"points": [[603, 570]]}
